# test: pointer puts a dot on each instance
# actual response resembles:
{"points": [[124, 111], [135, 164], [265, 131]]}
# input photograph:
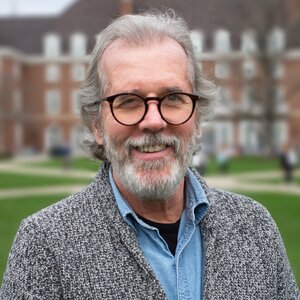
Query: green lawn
{"points": [[12, 211], [76, 163], [9, 180], [285, 209], [237, 164], [245, 164]]}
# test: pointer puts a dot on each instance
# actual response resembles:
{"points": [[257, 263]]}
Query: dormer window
{"points": [[248, 42], [78, 44], [197, 40], [222, 41], [52, 45], [276, 41]]}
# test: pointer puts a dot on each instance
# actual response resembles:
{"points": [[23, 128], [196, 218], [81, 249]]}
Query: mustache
{"points": [[153, 139]]}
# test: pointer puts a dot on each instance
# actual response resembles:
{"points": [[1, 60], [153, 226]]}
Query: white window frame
{"points": [[17, 100], [224, 133], [249, 68], [78, 72], [222, 70], [276, 41], [249, 135], [76, 101], [52, 72], [197, 38], [52, 45], [76, 136], [52, 140], [78, 44], [249, 42], [222, 43], [53, 101]]}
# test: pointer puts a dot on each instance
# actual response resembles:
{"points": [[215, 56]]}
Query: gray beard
{"points": [[150, 187]]}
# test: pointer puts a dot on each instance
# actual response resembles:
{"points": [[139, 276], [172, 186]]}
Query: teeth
{"points": [[149, 149]]}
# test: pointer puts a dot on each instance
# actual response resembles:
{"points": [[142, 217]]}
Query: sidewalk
{"points": [[227, 182]]}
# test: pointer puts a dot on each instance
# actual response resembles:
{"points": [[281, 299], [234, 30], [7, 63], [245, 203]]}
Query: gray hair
{"points": [[140, 30]]}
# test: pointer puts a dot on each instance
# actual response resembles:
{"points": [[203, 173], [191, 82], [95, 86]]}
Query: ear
{"points": [[97, 135]]}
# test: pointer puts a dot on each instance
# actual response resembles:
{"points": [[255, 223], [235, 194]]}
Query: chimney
{"points": [[126, 7]]}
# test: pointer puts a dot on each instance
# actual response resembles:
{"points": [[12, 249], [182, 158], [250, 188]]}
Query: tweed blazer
{"points": [[81, 248]]}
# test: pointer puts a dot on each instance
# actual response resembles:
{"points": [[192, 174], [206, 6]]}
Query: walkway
{"points": [[240, 182]]}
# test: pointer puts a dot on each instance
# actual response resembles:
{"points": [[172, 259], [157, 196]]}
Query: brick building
{"points": [[251, 49]]}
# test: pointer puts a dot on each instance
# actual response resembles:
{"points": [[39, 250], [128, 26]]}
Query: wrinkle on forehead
{"points": [[121, 54]]}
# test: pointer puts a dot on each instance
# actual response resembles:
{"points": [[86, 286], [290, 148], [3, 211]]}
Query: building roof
{"points": [[90, 16]]}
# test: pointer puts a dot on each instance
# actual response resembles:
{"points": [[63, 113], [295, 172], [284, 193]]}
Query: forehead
{"points": [[145, 67]]}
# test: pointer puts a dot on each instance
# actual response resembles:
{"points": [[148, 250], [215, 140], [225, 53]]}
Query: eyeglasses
{"points": [[129, 109]]}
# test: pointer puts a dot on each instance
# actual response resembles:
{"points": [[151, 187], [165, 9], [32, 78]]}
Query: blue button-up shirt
{"points": [[181, 275]]}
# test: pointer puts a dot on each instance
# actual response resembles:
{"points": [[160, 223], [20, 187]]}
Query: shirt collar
{"points": [[196, 201]]}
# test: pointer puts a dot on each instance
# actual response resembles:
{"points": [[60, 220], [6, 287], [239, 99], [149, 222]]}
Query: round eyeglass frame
{"points": [[111, 99]]}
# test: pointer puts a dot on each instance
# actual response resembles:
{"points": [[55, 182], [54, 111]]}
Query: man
{"points": [[148, 227]]}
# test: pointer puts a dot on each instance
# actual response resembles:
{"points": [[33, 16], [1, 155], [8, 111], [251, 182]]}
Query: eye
{"points": [[127, 102], [175, 99]]}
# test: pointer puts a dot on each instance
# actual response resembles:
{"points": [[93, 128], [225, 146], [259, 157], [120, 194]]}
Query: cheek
{"points": [[114, 130]]}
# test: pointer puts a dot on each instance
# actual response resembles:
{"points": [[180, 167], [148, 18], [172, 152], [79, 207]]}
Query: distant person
{"points": [[223, 158], [148, 227], [288, 162]]}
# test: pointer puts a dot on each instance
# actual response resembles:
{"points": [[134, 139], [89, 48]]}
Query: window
{"points": [[198, 41], [17, 101], [53, 102], [18, 136], [77, 135], [248, 97], [78, 44], [248, 42], [78, 72], [224, 133], [279, 99], [53, 137], [277, 70], [52, 73], [249, 68], [280, 132], [276, 41], [76, 101], [225, 106], [222, 70], [222, 41], [249, 136], [226, 97], [52, 45]]}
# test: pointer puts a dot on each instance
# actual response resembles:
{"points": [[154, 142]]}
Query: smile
{"points": [[151, 148]]}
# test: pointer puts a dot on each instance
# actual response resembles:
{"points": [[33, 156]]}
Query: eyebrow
{"points": [[163, 91]]}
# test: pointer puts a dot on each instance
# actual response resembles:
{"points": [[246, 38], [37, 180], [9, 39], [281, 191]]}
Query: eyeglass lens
{"points": [[130, 109]]}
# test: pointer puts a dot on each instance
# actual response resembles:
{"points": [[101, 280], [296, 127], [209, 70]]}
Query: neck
{"points": [[160, 211]]}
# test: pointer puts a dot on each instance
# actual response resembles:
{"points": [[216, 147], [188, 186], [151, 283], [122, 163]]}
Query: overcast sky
{"points": [[32, 7]]}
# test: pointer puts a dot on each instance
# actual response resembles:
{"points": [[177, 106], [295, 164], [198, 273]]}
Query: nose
{"points": [[152, 120]]}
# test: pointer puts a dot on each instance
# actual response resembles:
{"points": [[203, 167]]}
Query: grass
{"points": [[14, 180], [236, 165], [12, 211], [285, 210], [76, 163], [244, 164]]}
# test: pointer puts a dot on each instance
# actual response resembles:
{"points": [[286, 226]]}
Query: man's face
{"points": [[150, 159]]}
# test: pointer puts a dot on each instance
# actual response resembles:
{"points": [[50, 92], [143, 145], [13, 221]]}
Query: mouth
{"points": [[151, 148]]}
